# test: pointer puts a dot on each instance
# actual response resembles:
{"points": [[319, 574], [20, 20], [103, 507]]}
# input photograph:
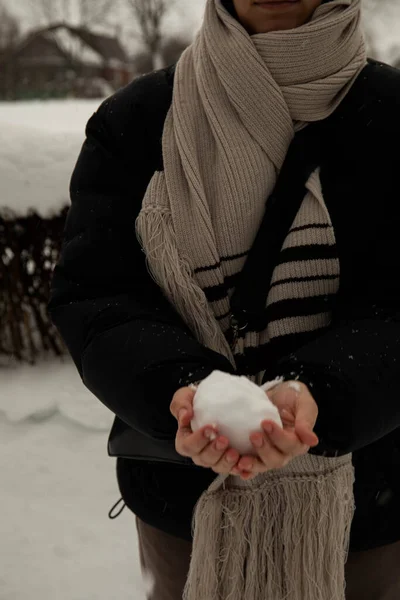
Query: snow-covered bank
{"points": [[57, 485], [39, 145], [57, 543], [49, 115], [37, 392]]}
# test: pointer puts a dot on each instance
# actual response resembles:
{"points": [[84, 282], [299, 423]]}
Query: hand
{"points": [[276, 447], [204, 447]]}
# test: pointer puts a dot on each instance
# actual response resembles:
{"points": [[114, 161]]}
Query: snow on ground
{"points": [[37, 392], [39, 146], [57, 485], [49, 115]]}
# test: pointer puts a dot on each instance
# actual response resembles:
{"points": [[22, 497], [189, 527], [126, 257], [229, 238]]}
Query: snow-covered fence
{"points": [[39, 145], [29, 248]]}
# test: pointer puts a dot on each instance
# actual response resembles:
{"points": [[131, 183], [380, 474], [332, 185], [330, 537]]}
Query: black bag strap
{"points": [[305, 154]]}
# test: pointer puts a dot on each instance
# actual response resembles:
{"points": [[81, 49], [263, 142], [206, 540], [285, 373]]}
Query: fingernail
{"points": [[221, 445], [182, 414], [268, 428], [210, 434], [258, 441], [245, 466], [231, 457]]}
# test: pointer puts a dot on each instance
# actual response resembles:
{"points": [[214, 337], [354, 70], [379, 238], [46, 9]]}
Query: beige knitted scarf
{"points": [[238, 101]]}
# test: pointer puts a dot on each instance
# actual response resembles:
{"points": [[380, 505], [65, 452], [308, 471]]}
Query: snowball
{"points": [[235, 406]]}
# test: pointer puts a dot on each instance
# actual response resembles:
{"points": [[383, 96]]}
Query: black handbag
{"points": [[125, 442]]}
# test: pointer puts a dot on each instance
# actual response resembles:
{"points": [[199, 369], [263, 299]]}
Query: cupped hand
{"points": [[205, 447], [275, 447]]}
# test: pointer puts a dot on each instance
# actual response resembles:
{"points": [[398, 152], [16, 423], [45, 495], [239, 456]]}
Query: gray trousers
{"points": [[371, 575]]}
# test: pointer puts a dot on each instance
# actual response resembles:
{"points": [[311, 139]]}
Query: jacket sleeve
{"points": [[353, 370], [131, 348]]}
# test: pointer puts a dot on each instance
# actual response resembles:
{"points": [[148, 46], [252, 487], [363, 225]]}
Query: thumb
{"points": [[297, 406], [182, 406], [306, 417]]}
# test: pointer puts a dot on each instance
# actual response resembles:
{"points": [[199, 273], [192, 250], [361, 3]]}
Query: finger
{"points": [[247, 464], [304, 425], [214, 452], [286, 441], [268, 457], [185, 419], [246, 476], [184, 424], [306, 417], [182, 401], [243, 474], [306, 434], [227, 462], [251, 466], [287, 416], [190, 444], [235, 470]]}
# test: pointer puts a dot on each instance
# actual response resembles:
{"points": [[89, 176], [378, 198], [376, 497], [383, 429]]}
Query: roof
{"points": [[107, 47]]}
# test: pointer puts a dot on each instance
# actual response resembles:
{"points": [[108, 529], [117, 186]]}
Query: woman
{"points": [[260, 177]]}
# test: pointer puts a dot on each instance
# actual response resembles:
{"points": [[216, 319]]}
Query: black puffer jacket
{"points": [[133, 351]]}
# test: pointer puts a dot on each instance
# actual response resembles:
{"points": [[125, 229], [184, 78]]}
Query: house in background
{"points": [[61, 61]]}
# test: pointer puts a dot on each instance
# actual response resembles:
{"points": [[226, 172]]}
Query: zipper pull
{"points": [[239, 323]]}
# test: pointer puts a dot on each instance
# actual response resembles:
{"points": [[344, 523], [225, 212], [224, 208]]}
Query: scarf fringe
{"points": [[155, 232], [284, 536]]}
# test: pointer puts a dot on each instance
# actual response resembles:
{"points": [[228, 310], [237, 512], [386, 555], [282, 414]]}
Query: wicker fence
{"points": [[29, 249]]}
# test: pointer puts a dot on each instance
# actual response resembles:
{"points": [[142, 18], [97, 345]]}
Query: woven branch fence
{"points": [[29, 249]]}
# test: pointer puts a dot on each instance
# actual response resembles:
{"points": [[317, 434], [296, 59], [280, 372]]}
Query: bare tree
{"points": [[96, 12], [150, 16], [170, 51], [9, 30], [79, 12]]}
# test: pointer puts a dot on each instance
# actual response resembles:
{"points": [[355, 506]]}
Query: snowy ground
{"points": [[57, 485], [39, 145]]}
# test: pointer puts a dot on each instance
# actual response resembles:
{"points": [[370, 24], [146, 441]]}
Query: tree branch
{"points": [[150, 15]]}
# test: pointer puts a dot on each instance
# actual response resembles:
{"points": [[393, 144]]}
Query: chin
{"points": [[278, 24], [268, 20]]}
